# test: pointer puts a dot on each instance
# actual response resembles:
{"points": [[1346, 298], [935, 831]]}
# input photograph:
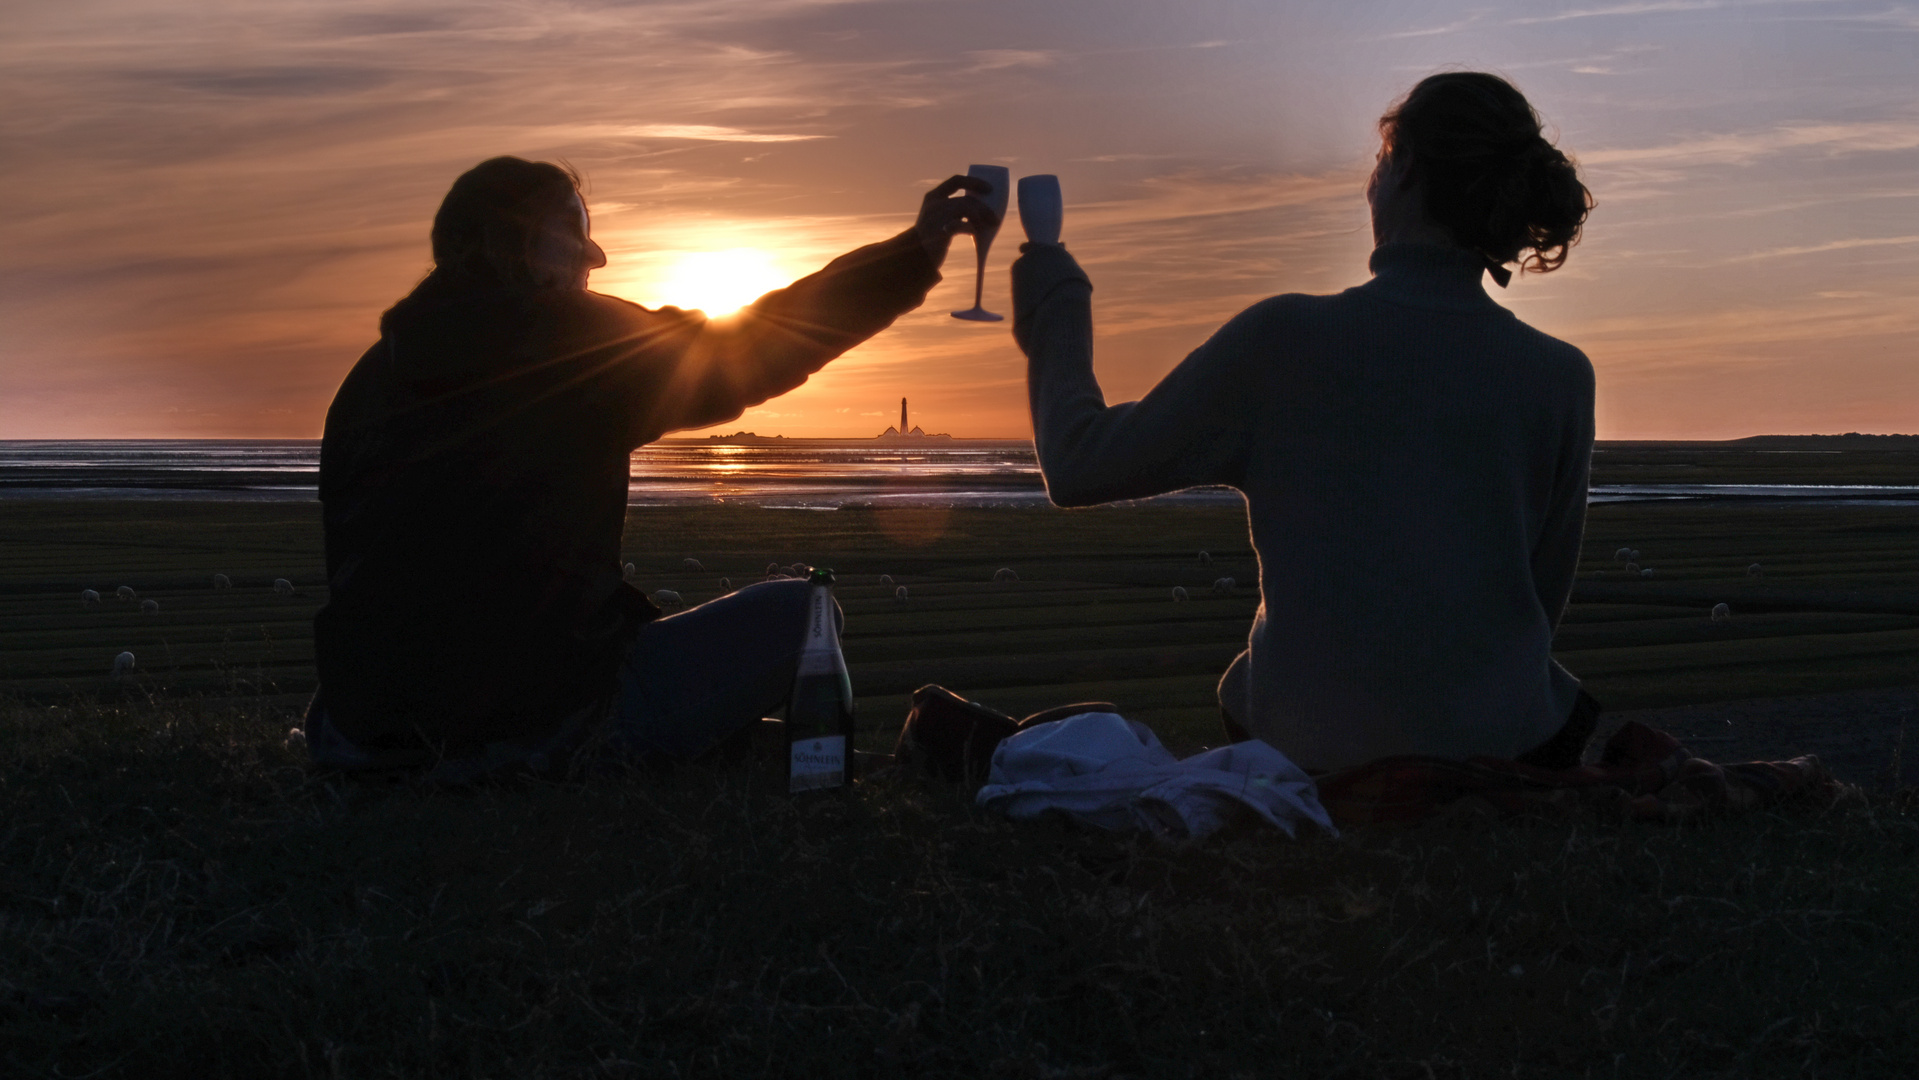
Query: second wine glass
{"points": [[1001, 179]]}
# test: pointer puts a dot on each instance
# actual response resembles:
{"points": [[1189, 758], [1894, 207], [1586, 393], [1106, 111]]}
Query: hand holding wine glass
{"points": [[983, 233], [941, 214]]}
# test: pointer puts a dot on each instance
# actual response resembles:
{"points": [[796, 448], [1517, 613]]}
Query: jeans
{"points": [[689, 681]]}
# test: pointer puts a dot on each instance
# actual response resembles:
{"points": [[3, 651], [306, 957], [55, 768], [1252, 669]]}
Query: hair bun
{"points": [[1490, 176]]}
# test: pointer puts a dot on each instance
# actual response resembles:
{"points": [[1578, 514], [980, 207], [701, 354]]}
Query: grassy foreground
{"points": [[180, 898]]}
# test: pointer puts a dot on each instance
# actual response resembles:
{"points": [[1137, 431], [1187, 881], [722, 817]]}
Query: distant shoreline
{"points": [[1849, 441]]}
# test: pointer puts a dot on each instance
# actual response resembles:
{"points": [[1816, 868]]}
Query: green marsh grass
{"points": [[179, 896]]}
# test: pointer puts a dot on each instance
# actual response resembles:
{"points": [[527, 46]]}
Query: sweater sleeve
{"points": [[1191, 429], [1555, 556], [720, 367]]}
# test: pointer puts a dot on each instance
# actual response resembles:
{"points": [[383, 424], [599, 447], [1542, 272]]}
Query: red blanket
{"points": [[1644, 773]]}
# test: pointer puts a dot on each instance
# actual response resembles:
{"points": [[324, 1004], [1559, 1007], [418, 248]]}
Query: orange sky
{"points": [[205, 212]]}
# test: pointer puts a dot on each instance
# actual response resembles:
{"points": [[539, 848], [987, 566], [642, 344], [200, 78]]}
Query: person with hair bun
{"points": [[1414, 458]]}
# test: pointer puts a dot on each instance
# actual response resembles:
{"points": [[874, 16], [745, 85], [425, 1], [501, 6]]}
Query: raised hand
{"points": [[943, 213]]}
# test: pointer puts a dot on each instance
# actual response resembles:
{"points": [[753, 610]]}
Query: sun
{"points": [[721, 282]]}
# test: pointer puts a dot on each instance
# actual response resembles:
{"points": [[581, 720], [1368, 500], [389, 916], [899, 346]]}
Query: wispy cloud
{"points": [[1830, 245], [1741, 148], [1650, 7], [1002, 59], [708, 133], [1453, 27]]}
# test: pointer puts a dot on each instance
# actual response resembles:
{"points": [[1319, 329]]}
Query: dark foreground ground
{"points": [[179, 897]]}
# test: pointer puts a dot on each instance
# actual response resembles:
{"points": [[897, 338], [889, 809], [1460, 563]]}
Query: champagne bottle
{"points": [[819, 715]]}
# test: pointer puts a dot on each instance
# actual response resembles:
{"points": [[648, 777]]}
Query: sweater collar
{"points": [[1429, 275]]}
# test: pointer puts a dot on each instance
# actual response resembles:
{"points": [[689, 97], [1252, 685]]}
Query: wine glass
{"points": [[1040, 208], [997, 176]]}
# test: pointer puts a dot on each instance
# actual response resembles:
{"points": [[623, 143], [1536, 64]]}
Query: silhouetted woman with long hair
{"points": [[1413, 457]]}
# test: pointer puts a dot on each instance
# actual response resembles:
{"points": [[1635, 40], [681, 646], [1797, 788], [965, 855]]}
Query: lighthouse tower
{"points": [[903, 428]]}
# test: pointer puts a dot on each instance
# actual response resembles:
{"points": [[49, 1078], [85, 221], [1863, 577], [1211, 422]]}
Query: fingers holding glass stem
{"points": [[995, 198], [955, 206]]}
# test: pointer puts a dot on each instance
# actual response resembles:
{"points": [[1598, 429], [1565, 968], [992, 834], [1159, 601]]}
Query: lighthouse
{"points": [[905, 432]]}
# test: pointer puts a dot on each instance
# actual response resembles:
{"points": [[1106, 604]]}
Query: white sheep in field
{"points": [[886, 581], [726, 584], [1004, 574], [899, 595], [1206, 558], [1622, 555], [628, 572], [282, 587], [149, 607], [122, 664], [1755, 570], [692, 566], [1645, 572], [125, 592], [1225, 585], [1179, 593], [221, 581], [773, 569], [1721, 612], [89, 596], [667, 598]]}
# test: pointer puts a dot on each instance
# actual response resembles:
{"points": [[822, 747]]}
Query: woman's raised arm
{"points": [[1193, 428]]}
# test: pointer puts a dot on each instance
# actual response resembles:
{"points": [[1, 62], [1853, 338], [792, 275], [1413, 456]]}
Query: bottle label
{"points": [[818, 763]]}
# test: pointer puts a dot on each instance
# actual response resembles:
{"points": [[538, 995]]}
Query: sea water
{"points": [[814, 474]]}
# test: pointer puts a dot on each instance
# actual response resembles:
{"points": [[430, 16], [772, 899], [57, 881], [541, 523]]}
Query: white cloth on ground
{"points": [[1110, 772]]}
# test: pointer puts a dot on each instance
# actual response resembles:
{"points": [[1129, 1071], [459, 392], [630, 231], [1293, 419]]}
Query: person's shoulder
{"points": [[1287, 308], [1557, 350], [1562, 360], [605, 305]]}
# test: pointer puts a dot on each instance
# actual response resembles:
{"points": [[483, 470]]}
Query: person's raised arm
{"points": [[773, 344], [1193, 428]]}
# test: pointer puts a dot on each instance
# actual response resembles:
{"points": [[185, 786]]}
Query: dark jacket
{"points": [[474, 482]]}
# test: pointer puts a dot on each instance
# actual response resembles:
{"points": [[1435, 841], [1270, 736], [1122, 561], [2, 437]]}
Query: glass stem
{"points": [[979, 281]]}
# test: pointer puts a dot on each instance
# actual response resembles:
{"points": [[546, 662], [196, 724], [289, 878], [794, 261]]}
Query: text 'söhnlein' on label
{"points": [[818, 763]]}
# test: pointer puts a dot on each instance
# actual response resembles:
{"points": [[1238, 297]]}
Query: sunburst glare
{"points": [[720, 282]]}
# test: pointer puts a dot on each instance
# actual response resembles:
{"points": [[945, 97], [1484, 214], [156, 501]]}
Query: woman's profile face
{"points": [[564, 251], [1399, 211], [1385, 190]]}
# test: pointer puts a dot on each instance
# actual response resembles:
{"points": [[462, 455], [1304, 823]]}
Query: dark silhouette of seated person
{"points": [[474, 478], [1414, 458]]}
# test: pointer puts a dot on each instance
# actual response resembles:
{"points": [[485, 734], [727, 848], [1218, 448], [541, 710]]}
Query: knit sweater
{"points": [[1414, 461], [474, 480]]}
